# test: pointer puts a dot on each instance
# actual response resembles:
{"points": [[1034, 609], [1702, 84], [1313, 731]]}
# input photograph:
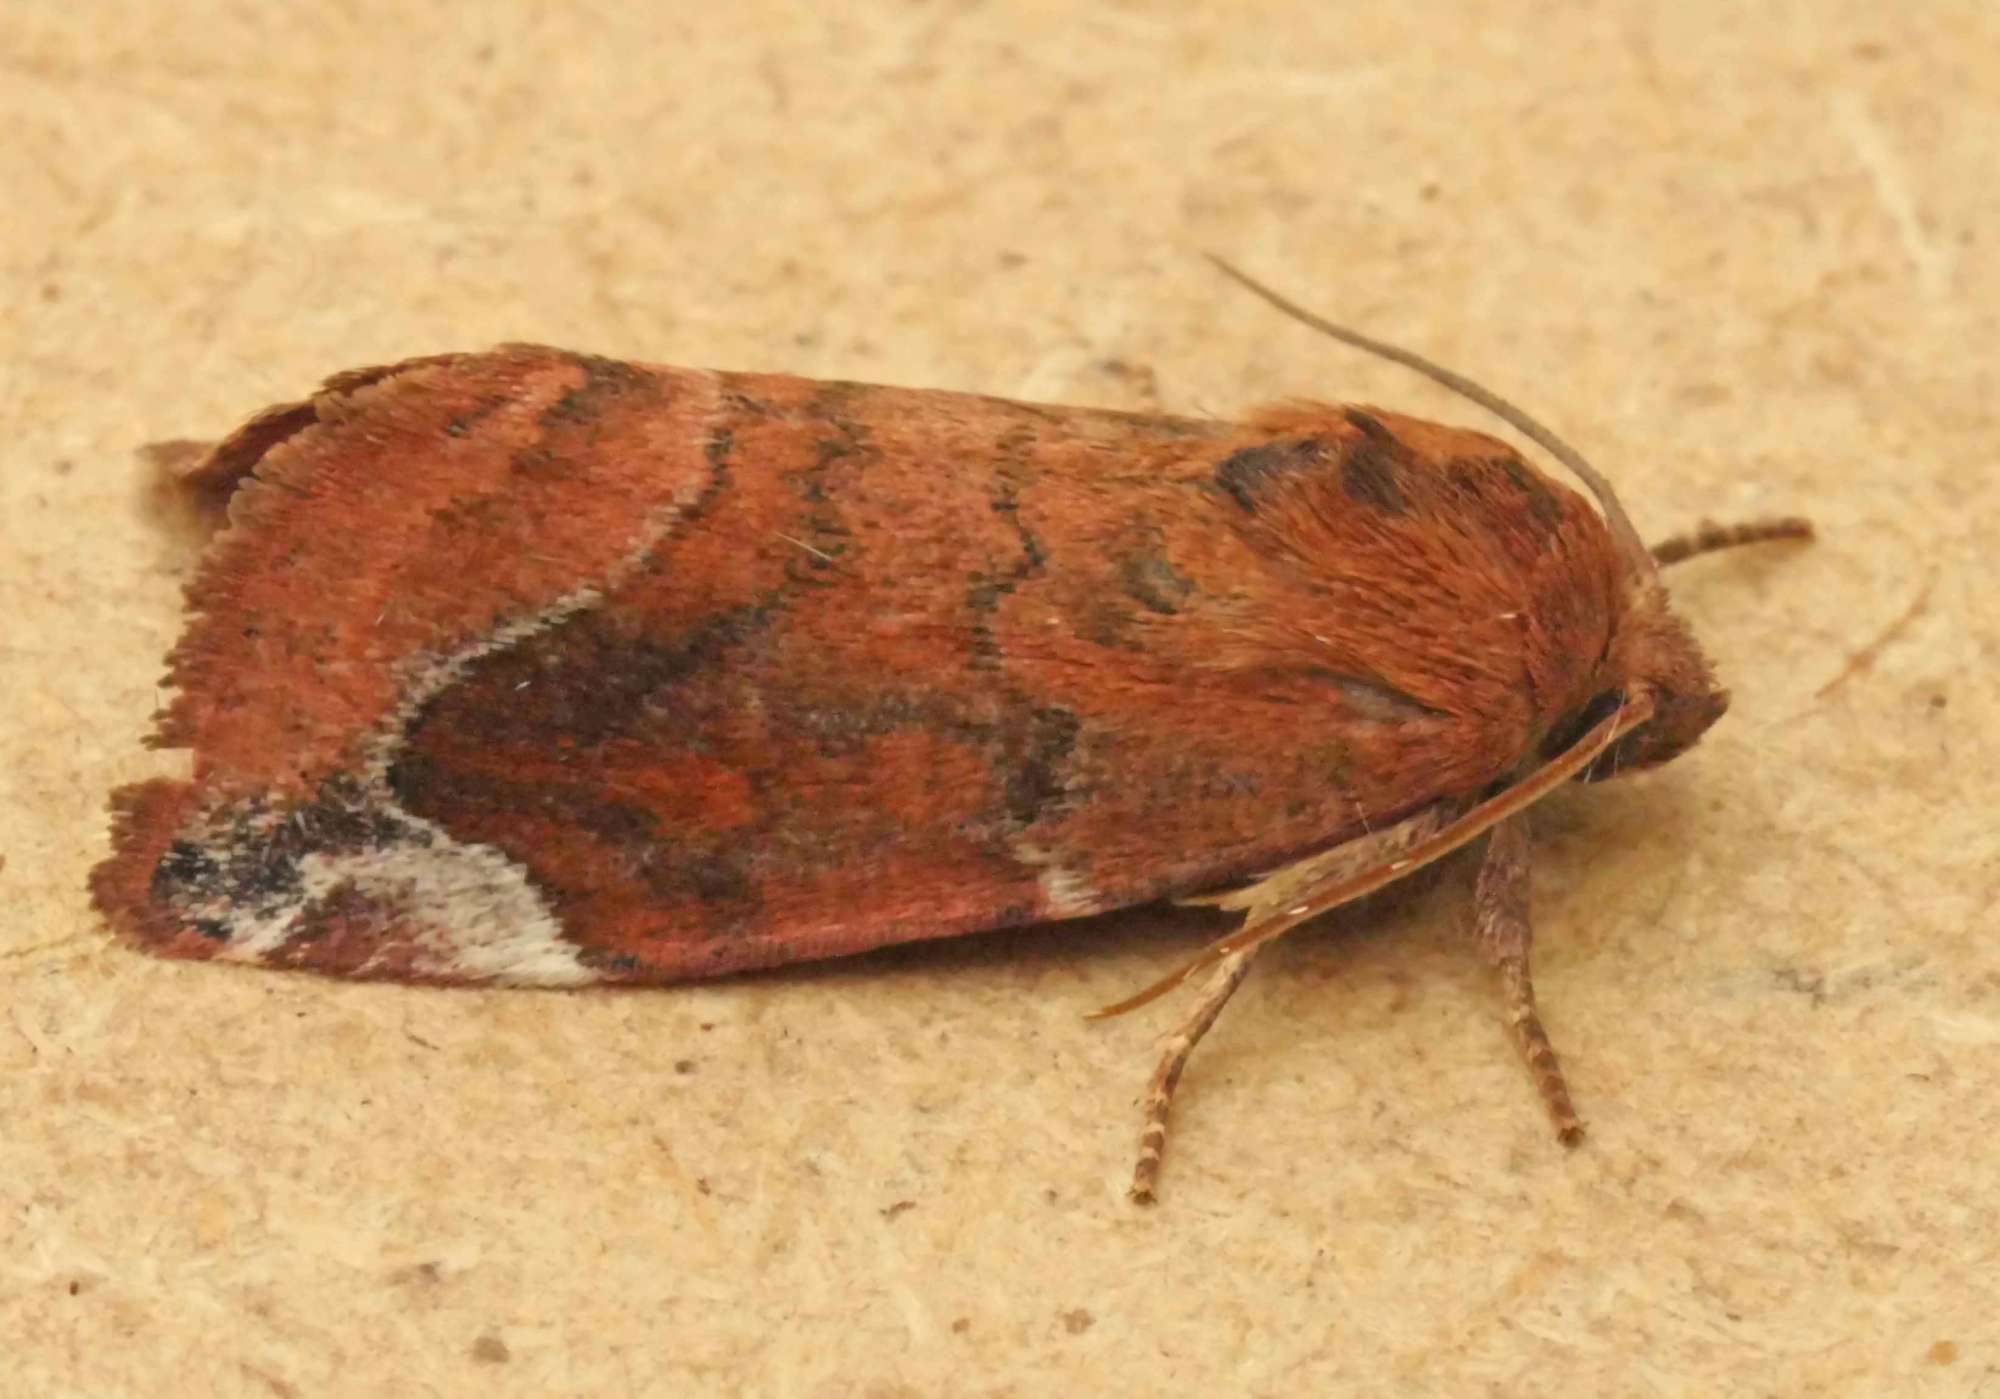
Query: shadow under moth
{"points": [[535, 668]]}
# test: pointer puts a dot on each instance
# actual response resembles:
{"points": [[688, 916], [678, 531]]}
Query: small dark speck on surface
{"points": [[1807, 984], [428, 1274]]}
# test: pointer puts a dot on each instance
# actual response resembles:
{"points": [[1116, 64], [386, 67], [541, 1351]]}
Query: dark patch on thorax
{"points": [[1541, 500], [1248, 476], [1371, 469]]}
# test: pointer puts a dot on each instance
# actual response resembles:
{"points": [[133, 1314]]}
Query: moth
{"points": [[537, 668]]}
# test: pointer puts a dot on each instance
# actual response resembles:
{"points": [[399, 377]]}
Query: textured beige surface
{"points": [[1745, 256]]}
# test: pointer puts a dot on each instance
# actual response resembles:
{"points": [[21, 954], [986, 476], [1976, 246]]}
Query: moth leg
{"points": [[1260, 901], [1500, 923], [1174, 1051], [1708, 536]]}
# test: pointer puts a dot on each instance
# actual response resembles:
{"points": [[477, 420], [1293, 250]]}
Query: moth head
{"points": [[1655, 656]]}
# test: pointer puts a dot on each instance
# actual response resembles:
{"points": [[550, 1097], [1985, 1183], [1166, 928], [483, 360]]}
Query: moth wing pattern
{"points": [[333, 604], [626, 673]]}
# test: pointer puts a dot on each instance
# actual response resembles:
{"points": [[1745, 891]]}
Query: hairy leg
{"points": [[1708, 536], [1174, 1051], [1505, 934], [1264, 899]]}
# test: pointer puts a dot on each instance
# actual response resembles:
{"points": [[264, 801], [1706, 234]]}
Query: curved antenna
{"points": [[1636, 553]]}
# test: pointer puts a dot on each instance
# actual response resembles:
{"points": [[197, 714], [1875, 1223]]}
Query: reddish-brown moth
{"points": [[537, 668]]}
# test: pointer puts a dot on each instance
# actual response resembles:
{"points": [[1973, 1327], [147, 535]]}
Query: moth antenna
{"points": [[1636, 553], [1708, 536], [1636, 710]]}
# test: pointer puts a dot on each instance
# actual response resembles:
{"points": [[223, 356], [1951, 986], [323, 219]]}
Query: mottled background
{"points": [[1744, 257]]}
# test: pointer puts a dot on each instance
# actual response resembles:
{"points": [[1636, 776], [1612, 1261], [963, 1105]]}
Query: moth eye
{"points": [[1568, 730]]}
